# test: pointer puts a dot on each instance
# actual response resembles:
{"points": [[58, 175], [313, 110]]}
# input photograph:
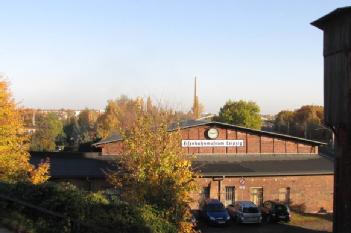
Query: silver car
{"points": [[245, 212]]}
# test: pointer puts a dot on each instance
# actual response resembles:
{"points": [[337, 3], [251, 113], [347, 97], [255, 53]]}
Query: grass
{"points": [[322, 222]]}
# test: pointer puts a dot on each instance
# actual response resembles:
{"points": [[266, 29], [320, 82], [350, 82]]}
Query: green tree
{"points": [[153, 169], [72, 131], [49, 134], [242, 113], [14, 156]]}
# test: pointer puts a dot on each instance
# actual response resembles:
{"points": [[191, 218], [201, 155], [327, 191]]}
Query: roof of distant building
{"points": [[194, 123], [111, 138], [263, 165], [93, 165]]}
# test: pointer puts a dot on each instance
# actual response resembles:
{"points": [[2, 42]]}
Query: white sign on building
{"points": [[212, 143]]}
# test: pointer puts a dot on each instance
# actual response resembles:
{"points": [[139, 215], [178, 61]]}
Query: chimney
{"points": [[196, 107]]}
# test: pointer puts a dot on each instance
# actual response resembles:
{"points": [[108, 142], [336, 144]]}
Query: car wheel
{"points": [[237, 220], [268, 219]]}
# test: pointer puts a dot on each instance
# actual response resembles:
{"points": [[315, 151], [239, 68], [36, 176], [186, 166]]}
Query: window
{"points": [[284, 195], [256, 195], [205, 192], [229, 195]]}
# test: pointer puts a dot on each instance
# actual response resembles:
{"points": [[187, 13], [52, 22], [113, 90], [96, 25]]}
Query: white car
{"points": [[245, 212]]}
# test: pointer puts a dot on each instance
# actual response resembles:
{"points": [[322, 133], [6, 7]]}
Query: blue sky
{"points": [[76, 54]]}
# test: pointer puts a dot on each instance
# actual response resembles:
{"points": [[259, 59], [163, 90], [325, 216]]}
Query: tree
{"points": [[14, 157], [119, 113], [72, 131], [49, 134], [153, 169], [87, 120], [306, 121], [108, 122], [284, 122], [242, 113], [122, 114]]}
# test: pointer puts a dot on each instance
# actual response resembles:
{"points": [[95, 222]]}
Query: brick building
{"points": [[235, 163]]}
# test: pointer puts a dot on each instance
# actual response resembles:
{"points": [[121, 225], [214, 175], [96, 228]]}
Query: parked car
{"points": [[245, 212], [273, 211], [213, 212]]}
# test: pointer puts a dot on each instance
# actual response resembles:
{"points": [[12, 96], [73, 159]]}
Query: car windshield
{"points": [[215, 207], [250, 210]]}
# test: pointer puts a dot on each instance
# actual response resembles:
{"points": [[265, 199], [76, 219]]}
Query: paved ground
{"points": [[267, 228], [300, 223]]}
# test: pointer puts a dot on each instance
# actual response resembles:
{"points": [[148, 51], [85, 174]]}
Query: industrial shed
{"points": [[234, 163]]}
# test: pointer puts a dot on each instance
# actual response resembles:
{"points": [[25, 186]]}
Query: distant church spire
{"points": [[196, 107]]}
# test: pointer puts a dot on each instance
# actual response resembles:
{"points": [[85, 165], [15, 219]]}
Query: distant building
{"points": [[267, 122], [235, 163]]}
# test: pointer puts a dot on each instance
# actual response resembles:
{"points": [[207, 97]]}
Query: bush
{"points": [[97, 212], [156, 220]]}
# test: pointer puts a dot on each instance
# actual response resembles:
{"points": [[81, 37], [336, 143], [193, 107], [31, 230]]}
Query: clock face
{"points": [[212, 133]]}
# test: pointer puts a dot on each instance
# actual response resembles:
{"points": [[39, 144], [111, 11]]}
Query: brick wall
{"points": [[307, 193], [253, 143], [113, 148]]}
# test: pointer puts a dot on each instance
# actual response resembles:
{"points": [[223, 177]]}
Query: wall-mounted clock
{"points": [[212, 133]]}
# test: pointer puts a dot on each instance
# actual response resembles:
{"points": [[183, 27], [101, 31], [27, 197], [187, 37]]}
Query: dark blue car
{"points": [[214, 212]]}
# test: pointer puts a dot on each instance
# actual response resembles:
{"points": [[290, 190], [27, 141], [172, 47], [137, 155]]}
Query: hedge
{"points": [[79, 211]]}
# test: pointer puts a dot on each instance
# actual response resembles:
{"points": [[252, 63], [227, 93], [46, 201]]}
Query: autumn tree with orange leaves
{"points": [[154, 169], [14, 156]]}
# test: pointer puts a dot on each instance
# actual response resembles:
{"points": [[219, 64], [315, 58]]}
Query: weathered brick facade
{"points": [[307, 193], [309, 189], [253, 143], [112, 148]]}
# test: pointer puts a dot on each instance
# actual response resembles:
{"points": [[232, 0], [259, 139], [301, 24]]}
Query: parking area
{"points": [[271, 228], [299, 224]]}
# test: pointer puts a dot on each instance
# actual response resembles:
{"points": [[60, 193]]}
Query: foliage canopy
{"points": [[153, 169], [14, 157], [242, 113], [307, 121], [49, 133]]}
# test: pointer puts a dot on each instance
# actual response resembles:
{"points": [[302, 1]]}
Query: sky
{"points": [[78, 54]]}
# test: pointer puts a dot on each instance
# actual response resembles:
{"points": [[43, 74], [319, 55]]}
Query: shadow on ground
{"points": [[326, 216], [263, 228]]}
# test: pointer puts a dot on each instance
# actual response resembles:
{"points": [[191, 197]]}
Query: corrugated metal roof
{"points": [[75, 165], [92, 165], [265, 168]]}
